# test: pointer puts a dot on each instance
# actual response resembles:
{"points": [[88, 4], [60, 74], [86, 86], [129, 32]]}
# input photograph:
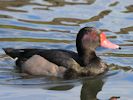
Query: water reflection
{"points": [[90, 89]]}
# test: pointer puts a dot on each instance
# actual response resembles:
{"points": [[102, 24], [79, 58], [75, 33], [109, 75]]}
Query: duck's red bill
{"points": [[106, 43]]}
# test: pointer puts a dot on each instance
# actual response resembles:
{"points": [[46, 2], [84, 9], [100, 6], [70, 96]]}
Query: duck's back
{"points": [[56, 56]]}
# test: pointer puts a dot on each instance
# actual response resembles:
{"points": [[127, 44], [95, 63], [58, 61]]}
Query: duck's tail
{"points": [[12, 52]]}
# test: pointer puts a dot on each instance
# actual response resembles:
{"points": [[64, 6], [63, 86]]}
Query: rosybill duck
{"points": [[65, 63]]}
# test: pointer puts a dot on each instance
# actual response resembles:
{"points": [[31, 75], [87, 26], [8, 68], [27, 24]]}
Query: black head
{"points": [[87, 39]]}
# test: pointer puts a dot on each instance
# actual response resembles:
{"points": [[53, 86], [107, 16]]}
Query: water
{"points": [[54, 24]]}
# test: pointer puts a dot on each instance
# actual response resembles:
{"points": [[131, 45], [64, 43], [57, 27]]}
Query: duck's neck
{"points": [[88, 57]]}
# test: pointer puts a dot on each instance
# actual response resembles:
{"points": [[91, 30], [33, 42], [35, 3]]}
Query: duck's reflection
{"points": [[90, 89]]}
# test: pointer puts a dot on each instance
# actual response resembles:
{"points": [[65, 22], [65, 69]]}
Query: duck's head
{"points": [[89, 38]]}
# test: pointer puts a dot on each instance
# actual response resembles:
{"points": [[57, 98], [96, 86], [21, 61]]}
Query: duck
{"points": [[65, 63]]}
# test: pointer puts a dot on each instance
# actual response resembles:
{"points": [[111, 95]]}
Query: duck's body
{"points": [[56, 62], [57, 56], [43, 61]]}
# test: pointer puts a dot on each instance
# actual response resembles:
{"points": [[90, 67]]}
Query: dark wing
{"points": [[57, 56]]}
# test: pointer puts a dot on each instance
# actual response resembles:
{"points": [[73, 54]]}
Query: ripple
{"points": [[35, 40]]}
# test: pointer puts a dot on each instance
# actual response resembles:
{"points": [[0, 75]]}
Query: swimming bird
{"points": [[65, 63]]}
